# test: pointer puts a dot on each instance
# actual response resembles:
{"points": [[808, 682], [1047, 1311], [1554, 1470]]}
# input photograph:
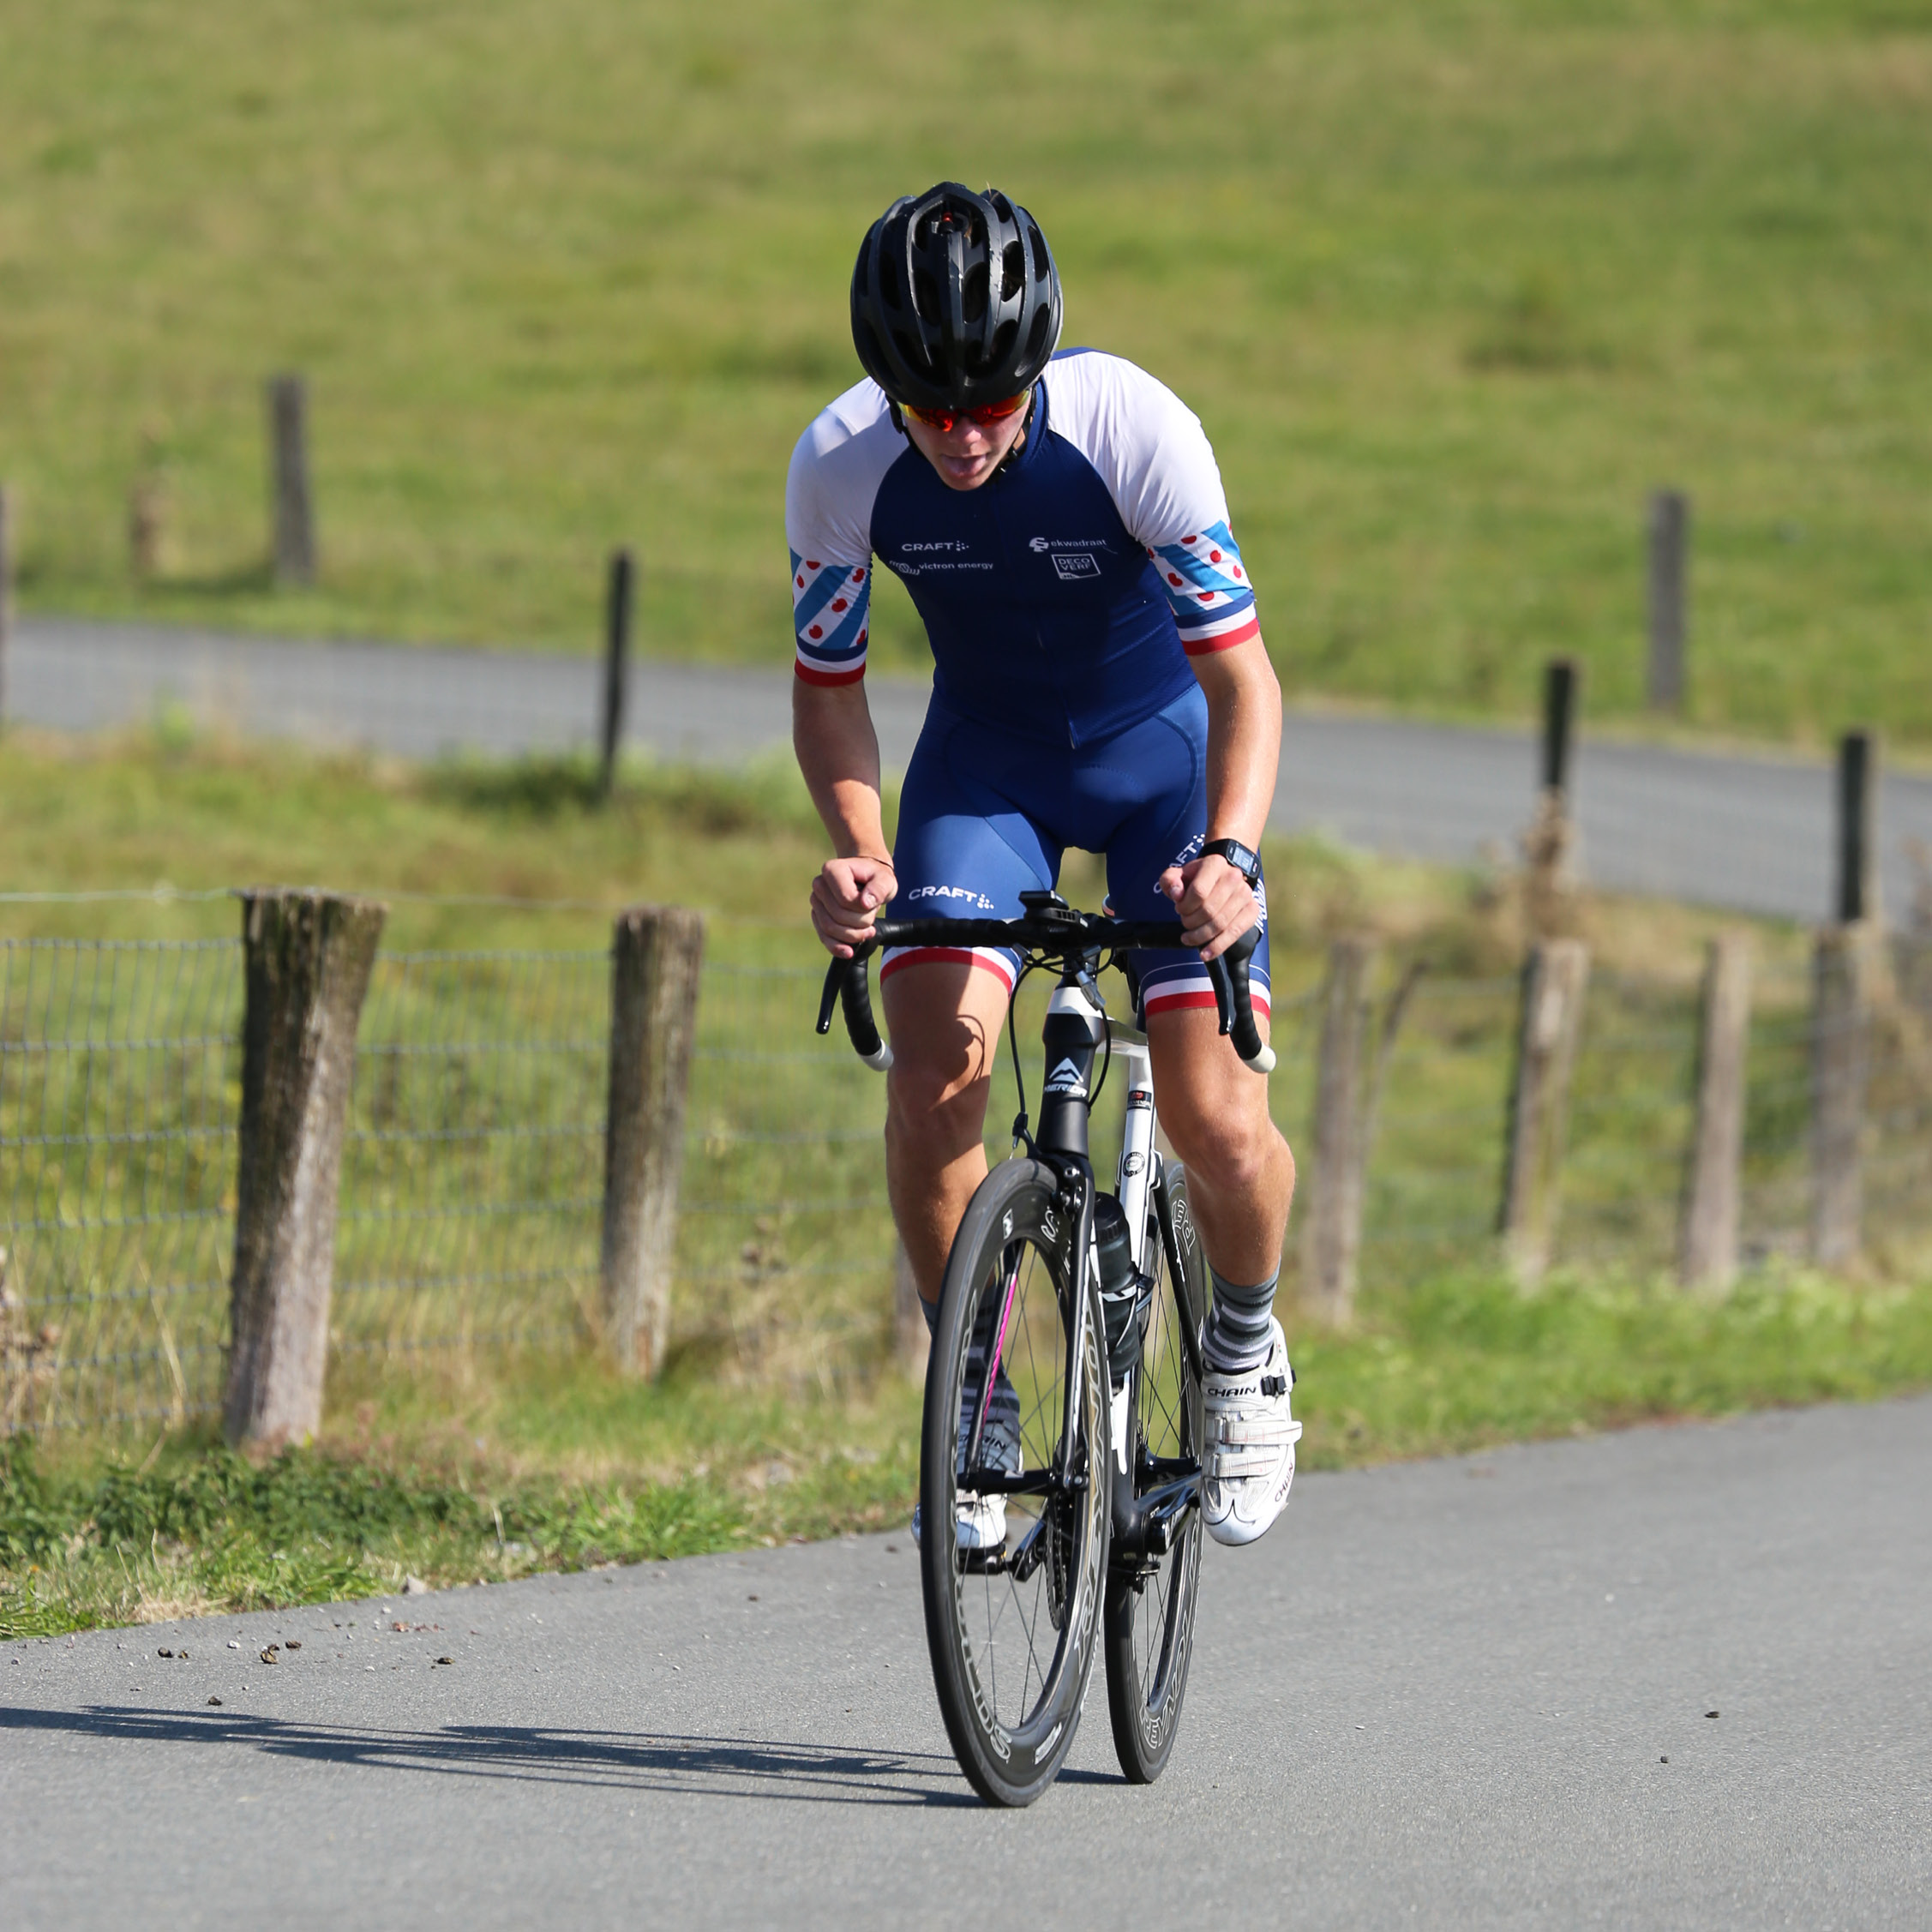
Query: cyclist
{"points": [[1099, 681]]}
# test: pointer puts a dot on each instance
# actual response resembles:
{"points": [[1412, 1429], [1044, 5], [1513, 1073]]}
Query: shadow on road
{"points": [[702, 1767]]}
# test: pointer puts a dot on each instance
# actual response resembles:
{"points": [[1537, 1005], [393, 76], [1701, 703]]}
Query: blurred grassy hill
{"points": [[1452, 285]]}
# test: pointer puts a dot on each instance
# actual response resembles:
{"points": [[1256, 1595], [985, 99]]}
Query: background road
{"points": [[1440, 1695], [1751, 834]]}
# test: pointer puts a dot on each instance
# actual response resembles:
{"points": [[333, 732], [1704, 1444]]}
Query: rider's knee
{"points": [[1231, 1150], [932, 1111]]}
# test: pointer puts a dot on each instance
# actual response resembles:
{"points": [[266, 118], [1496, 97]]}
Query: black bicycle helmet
{"points": [[956, 300]]}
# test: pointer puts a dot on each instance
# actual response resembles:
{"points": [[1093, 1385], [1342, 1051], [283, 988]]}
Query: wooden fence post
{"points": [[1555, 977], [295, 524], [6, 589], [309, 957], [1669, 546], [1548, 847], [656, 952], [1707, 1234], [1331, 1231], [911, 1343], [1840, 1064], [616, 664], [1857, 827]]}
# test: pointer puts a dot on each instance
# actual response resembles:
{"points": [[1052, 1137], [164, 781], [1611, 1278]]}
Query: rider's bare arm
{"points": [[838, 753], [1244, 746]]}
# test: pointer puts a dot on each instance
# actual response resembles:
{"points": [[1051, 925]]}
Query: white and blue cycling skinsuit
{"points": [[1063, 599]]}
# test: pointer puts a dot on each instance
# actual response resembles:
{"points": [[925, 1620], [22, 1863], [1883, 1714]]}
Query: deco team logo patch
{"points": [[1073, 558]]}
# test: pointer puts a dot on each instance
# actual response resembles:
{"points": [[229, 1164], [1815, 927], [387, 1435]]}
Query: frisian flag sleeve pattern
{"points": [[1214, 605], [832, 604]]}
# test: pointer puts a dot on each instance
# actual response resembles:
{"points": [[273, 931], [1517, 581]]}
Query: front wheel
{"points": [[1013, 1485]]}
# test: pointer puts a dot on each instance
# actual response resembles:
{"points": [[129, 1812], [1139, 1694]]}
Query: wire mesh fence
{"points": [[1435, 1168], [471, 1191], [472, 1186], [120, 1084], [472, 1200]]}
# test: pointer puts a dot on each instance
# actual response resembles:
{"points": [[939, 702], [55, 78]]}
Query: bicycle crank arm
{"points": [[1028, 1482], [1019, 1563], [1150, 1531]]}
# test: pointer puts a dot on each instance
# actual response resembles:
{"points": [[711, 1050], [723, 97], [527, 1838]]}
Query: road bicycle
{"points": [[1060, 1456]]}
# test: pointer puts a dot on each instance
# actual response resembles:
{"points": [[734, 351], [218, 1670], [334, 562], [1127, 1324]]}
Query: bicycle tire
{"points": [[1013, 1648], [1150, 1598]]}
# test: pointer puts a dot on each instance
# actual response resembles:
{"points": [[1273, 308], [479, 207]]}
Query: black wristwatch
{"points": [[1246, 862]]}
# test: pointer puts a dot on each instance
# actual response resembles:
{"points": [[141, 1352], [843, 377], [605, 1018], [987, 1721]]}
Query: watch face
{"points": [[1238, 856]]}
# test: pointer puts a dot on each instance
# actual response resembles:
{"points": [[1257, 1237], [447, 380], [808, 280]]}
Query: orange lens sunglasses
{"points": [[985, 414]]}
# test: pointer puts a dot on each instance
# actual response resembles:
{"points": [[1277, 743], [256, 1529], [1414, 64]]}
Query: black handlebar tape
{"points": [[835, 976], [1246, 1035], [1043, 933], [1233, 1001], [854, 993]]}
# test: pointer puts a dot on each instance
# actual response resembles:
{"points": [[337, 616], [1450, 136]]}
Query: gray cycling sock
{"points": [[1236, 1334]]}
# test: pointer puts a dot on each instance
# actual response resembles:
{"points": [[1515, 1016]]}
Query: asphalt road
{"points": [[1460, 1693], [1752, 834]]}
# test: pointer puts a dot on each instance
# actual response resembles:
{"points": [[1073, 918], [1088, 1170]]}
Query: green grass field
{"points": [[548, 1467], [781, 1413], [1451, 285]]}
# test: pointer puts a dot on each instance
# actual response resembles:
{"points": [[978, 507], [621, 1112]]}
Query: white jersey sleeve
{"points": [[836, 471], [1151, 451]]}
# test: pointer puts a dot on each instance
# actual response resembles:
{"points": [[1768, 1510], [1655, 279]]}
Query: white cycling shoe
{"points": [[1251, 1435], [982, 1522], [983, 1519]]}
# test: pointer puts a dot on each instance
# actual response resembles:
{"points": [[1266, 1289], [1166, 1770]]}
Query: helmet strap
{"points": [[1026, 430]]}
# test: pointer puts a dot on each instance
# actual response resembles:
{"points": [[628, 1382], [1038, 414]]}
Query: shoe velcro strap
{"points": [[1231, 1405], [1246, 1462], [1278, 1434]]}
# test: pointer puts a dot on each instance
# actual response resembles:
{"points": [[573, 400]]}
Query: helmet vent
{"points": [[1042, 263], [1012, 270], [889, 281], [1002, 348], [973, 293], [1040, 341], [925, 296]]}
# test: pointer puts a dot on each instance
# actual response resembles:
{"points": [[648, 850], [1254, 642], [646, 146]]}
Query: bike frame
{"points": [[1077, 1028]]}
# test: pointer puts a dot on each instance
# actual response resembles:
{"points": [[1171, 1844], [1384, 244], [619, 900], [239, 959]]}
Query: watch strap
{"points": [[1244, 860]]}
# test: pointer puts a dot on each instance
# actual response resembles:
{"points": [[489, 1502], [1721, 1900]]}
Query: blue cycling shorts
{"points": [[985, 817]]}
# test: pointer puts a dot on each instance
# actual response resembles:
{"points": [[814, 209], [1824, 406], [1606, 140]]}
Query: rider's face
{"points": [[968, 452]]}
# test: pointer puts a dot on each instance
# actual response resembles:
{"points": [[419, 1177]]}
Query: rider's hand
{"points": [[846, 897], [1215, 904]]}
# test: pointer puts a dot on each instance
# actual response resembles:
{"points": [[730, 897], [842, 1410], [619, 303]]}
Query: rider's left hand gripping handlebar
{"points": [[1228, 973], [849, 981]]}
